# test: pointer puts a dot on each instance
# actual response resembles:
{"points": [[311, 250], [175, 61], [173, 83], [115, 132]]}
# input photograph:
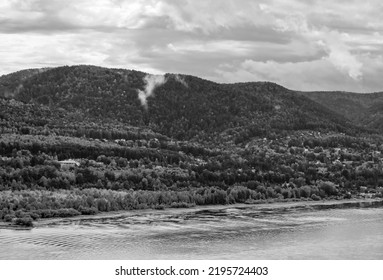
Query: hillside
{"points": [[12, 83], [179, 106], [84, 139], [362, 109]]}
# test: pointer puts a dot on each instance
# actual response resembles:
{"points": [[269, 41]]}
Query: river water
{"points": [[270, 231]]}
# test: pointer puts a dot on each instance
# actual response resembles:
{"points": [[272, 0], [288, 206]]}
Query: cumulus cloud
{"points": [[333, 42], [308, 75], [340, 56], [221, 40]]}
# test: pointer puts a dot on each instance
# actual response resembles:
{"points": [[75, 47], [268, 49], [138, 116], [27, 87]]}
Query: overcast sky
{"points": [[303, 45]]}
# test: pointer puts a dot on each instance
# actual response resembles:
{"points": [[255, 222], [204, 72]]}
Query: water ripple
{"points": [[214, 233]]}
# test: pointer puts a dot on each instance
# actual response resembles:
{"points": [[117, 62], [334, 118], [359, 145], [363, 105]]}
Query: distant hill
{"points": [[362, 109], [179, 106]]}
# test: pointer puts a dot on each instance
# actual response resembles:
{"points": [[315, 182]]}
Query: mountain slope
{"points": [[12, 83], [362, 109], [184, 107]]}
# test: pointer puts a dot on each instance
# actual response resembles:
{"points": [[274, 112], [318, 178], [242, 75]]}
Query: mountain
{"points": [[362, 109], [83, 139], [179, 106]]}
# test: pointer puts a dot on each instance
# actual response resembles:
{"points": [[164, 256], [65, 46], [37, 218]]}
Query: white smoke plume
{"points": [[180, 79], [151, 81]]}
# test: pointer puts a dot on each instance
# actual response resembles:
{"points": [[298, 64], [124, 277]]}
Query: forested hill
{"points": [[85, 139], [179, 106], [362, 109]]}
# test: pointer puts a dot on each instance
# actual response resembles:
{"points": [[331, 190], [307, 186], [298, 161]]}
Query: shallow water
{"points": [[289, 231]]}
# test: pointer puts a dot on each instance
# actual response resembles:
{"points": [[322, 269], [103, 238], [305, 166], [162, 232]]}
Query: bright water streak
{"points": [[255, 232]]}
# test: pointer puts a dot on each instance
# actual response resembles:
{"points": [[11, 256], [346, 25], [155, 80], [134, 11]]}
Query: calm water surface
{"points": [[280, 231]]}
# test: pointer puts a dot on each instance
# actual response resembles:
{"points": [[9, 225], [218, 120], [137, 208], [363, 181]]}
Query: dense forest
{"points": [[362, 109], [78, 141], [183, 107]]}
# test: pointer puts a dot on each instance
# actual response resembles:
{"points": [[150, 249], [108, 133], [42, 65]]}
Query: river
{"points": [[302, 230]]}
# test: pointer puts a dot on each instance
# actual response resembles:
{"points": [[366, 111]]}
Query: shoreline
{"points": [[265, 205]]}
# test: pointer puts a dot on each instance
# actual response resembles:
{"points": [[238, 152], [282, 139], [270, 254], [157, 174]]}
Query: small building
{"points": [[69, 163]]}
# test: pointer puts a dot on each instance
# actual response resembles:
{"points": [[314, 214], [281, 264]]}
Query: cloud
{"points": [[332, 42], [340, 56], [204, 38], [308, 75]]}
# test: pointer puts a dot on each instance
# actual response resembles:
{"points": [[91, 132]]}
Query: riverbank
{"points": [[23, 207], [291, 230], [264, 206]]}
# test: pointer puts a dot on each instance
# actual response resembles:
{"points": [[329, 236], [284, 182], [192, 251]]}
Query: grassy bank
{"points": [[24, 207]]}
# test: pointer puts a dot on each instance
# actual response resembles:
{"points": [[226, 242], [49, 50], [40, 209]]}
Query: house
{"points": [[348, 162], [69, 163]]}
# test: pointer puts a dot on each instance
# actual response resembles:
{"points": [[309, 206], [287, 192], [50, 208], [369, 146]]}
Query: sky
{"points": [[302, 45]]}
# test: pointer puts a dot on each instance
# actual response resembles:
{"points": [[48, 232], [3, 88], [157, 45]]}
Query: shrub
{"points": [[239, 193], [305, 191], [24, 221], [67, 212], [44, 213], [9, 217], [181, 205], [88, 210], [159, 207], [270, 193], [286, 193], [34, 215], [328, 187], [315, 197], [60, 213]]}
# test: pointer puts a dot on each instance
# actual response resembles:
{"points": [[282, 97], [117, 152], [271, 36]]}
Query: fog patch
{"points": [[180, 79], [151, 82]]}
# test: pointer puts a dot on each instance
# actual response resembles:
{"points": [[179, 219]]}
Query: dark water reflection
{"points": [[280, 231]]}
